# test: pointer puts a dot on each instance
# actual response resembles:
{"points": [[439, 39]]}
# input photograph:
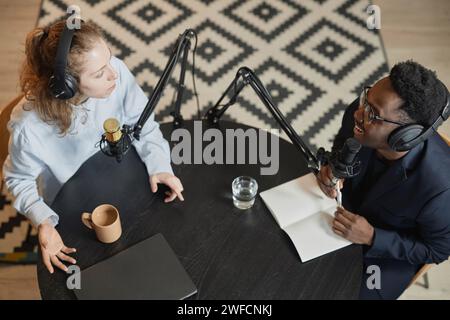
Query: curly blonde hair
{"points": [[40, 52]]}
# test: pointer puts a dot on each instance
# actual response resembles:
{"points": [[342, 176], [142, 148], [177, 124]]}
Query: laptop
{"points": [[149, 270]]}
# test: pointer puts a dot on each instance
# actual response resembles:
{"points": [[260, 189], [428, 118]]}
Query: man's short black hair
{"points": [[423, 94]]}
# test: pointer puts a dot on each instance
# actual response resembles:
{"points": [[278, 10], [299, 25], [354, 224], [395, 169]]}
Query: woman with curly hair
{"points": [[53, 134]]}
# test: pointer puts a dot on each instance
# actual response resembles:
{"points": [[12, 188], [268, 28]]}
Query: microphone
{"points": [[115, 142], [344, 163]]}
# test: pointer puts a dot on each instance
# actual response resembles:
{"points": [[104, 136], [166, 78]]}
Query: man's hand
{"points": [[352, 227], [324, 179], [52, 247], [169, 180]]}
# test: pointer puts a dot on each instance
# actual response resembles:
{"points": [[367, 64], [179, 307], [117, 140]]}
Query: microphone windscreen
{"points": [[349, 151], [112, 130]]}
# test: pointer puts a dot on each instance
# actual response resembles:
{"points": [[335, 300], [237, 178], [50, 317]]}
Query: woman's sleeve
{"points": [[20, 170], [153, 149]]}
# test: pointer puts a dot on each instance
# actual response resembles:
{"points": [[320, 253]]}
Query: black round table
{"points": [[228, 253]]}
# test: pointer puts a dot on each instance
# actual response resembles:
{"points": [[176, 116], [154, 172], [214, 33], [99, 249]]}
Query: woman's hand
{"points": [[325, 180], [52, 247], [169, 180]]}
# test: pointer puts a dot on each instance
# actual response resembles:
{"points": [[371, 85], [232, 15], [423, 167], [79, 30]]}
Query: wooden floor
{"points": [[411, 29], [16, 19], [18, 282]]}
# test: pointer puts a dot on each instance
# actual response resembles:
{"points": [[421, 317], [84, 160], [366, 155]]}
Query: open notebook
{"points": [[305, 214]]}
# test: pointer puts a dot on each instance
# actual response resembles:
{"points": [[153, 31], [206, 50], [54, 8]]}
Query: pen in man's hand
{"points": [[339, 195]]}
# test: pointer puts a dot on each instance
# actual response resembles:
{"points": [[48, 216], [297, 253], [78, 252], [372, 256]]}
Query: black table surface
{"points": [[228, 253]]}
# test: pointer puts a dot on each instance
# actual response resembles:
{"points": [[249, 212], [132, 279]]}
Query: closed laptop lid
{"points": [[147, 270]]}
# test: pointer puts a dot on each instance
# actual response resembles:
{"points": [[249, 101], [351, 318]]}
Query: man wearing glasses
{"points": [[398, 207]]}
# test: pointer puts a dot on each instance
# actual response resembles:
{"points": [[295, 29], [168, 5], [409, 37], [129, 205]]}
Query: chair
{"points": [[424, 269], [422, 273], [5, 114], [445, 138]]}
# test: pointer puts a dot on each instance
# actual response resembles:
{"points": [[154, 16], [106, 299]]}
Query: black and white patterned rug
{"points": [[314, 56]]}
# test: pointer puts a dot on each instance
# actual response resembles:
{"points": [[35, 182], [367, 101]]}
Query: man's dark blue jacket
{"points": [[409, 207]]}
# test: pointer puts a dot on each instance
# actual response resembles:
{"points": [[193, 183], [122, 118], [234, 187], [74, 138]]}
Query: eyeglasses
{"points": [[369, 113]]}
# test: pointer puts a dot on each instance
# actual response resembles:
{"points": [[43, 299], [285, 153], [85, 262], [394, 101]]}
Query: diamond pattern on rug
{"points": [[265, 19], [333, 63], [148, 21], [18, 239]]}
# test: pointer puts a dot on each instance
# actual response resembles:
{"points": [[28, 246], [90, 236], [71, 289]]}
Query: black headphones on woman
{"points": [[62, 84], [408, 136]]}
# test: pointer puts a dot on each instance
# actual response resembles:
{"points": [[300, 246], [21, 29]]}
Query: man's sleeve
{"points": [[346, 129], [431, 244], [152, 148]]}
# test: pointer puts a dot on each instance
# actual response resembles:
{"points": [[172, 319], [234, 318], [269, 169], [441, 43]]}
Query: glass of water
{"points": [[244, 192]]}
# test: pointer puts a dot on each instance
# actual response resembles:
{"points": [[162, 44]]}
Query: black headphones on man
{"points": [[408, 136], [62, 84]]}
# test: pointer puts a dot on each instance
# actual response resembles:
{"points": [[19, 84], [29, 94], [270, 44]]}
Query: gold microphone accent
{"points": [[112, 130]]}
